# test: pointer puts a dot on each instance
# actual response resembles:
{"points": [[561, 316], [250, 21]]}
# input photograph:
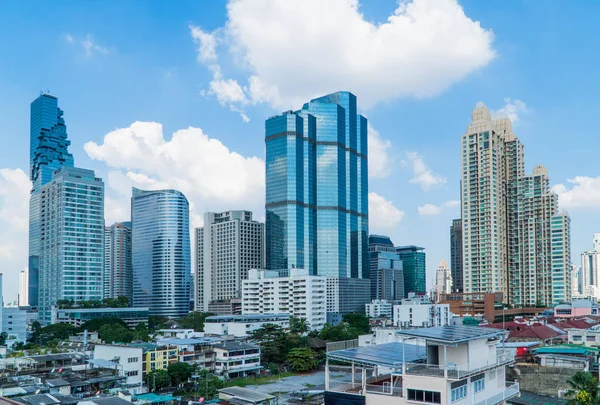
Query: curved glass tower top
{"points": [[161, 251]]}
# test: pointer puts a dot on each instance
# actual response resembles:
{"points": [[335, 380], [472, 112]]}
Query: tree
{"points": [[298, 325], [58, 331], [156, 322], [358, 321], [141, 332], [584, 389], [115, 333], [207, 384], [158, 379], [3, 337], [302, 359], [272, 340], [338, 333], [94, 325], [179, 372], [194, 320]]}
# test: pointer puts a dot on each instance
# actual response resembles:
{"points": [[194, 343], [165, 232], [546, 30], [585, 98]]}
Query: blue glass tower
{"points": [[160, 244], [317, 188], [48, 151]]}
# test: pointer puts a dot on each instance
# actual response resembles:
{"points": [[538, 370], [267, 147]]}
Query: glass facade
{"points": [[413, 265], [118, 273], [71, 246], [387, 277], [48, 151], [456, 255], [161, 251], [317, 188]]}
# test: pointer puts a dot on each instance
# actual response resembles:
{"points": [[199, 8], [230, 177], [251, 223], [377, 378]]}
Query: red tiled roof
{"points": [[536, 332]]}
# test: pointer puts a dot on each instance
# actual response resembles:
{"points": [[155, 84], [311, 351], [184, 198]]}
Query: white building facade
{"points": [[23, 288], [420, 315], [300, 295], [378, 309], [237, 359], [443, 279], [227, 246], [242, 325], [590, 270], [129, 360]]}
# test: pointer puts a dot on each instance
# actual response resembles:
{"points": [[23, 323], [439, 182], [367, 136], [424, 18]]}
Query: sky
{"points": [[175, 94]]}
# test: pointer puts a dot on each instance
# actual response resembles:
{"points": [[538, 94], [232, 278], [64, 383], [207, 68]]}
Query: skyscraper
{"points": [[387, 277], [590, 269], [71, 238], [228, 245], [561, 259], [456, 255], [118, 271], [48, 151], [443, 279], [161, 251], [23, 288], [413, 265], [317, 188], [508, 219]]}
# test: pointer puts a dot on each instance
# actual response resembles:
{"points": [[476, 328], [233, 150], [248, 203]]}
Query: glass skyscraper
{"points": [[413, 264], [48, 151], [317, 188], [71, 239], [387, 277], [161, 251]]}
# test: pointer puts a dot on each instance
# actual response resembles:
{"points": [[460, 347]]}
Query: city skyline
{"points": [[107, 80]]}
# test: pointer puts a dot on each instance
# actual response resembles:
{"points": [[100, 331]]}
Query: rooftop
{"points": [[246, 394], [452, 334], [191, 341], [243, 318], [387, 354]]}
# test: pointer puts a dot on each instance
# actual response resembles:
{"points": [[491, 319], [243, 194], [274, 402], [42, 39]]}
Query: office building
{"points": [[507, 218], [160, 243], [413, 266], [346, 295], [378, 309], [456, 255], [443, 279], [71, 244], [590, 269], [242, 325], [385, 269], [316, 189], [16, 322], [299, 294], [48, 151], [23, 299], [228, 245], [118, 272]]}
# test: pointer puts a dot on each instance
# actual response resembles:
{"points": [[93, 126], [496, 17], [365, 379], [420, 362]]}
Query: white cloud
{"points": [[380, 163], [382, 213], [423, 48], [14, 223], [210, 175], [583, 193], [207, 44], [511, 109], [227, 91], [431, 209], [422, 175], [89, 45]]}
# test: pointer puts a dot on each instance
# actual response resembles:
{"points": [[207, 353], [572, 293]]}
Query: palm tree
{"points": [[584, 389]]}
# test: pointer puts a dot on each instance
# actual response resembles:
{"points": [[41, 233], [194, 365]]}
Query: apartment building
{"points": [[242, 325], [421, 315], [299, 294], [378, 309], [130, 363], [237, 359]]}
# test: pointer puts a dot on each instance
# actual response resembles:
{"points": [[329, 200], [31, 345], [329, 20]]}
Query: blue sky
{"points": [[197, 66]]}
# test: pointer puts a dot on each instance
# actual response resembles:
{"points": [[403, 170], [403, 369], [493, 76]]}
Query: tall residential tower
{"points": [[456, 255], [118, 272], [160, 243]]}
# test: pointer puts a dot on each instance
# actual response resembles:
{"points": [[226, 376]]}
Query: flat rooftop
{"points": [[245, 318], [452, 334], [246, 394], [388, 354]]}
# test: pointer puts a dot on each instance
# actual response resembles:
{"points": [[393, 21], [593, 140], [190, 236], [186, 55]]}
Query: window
{"points": [[478, 382], [590, 338], [577, 338], [431, 397], [132, 373], [459, 390], [132, 360]]}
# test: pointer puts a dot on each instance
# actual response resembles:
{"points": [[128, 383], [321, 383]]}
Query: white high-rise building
{"points": [[227, 246], [71, 239], [443, 279], [576, 282], [510, 219], [299, 294], [590, 270], [24, 288]]}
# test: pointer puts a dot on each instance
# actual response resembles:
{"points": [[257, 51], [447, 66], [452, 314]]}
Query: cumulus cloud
{"points": [[88, 44], [14, 222], [431, 209], [422, 175], [422, 48], [210, 175], [580, 192], [207, 44], [512, 109], [380, 162], [382, 213]]}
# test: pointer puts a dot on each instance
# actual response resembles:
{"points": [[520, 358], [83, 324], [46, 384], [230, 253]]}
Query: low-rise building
{"points": [[585, 337], [378, 309], [130, 361], [156, 356], [415, 314], [456, 365], [242, 325], [195, 351], [299, 294], [226, 307], [237, 359], [576, 308], [239, 395], [78, 316]]}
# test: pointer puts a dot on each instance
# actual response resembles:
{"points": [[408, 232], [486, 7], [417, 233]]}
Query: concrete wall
{"points": [[541, 380]]}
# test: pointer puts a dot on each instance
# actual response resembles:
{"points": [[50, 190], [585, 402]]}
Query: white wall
{"points": [[128, 365]]}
